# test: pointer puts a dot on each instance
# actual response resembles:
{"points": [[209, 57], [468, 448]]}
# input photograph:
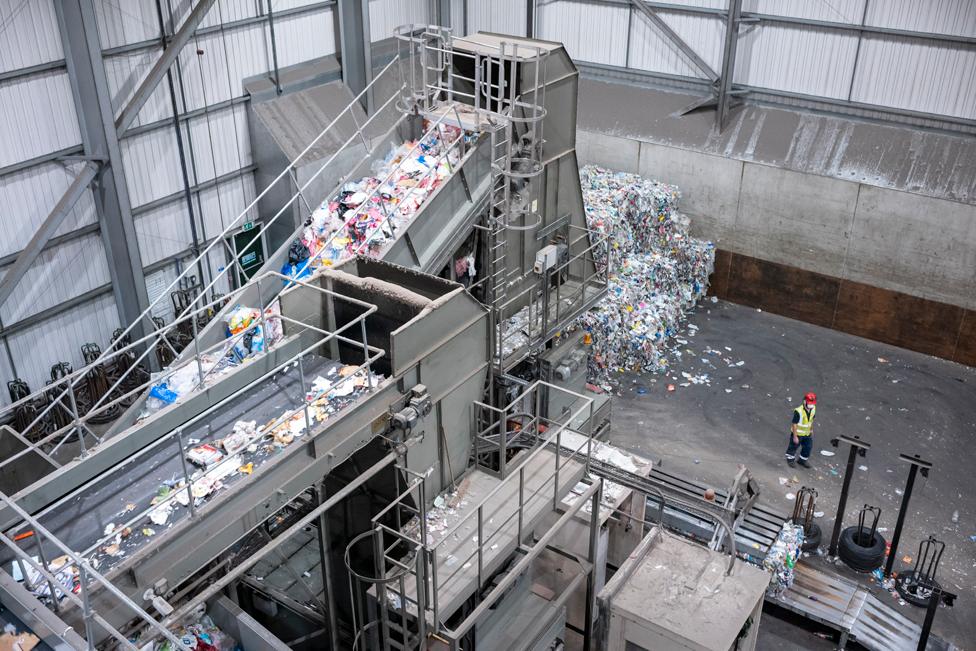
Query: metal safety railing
{"points": [[71, 577], [503, 86], [184, 501], [407, 579], [319, 340], [564, 292], [63, 392]]}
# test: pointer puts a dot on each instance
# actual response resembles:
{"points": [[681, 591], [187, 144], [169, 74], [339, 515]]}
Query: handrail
{"points": [[373, 355], [80, 420], [86, 568], [531, 457], [72, 379]]}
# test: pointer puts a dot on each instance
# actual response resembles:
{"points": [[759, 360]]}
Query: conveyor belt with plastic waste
{"points": [[130, 488]]}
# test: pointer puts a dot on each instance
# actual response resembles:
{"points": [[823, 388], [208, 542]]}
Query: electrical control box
{"points": [[546, 258]]}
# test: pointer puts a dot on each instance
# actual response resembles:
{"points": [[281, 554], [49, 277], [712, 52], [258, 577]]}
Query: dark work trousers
{"points": [[805, 445]]}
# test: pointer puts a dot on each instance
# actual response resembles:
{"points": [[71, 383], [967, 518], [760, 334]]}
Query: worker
{"points": [[801, 431]]}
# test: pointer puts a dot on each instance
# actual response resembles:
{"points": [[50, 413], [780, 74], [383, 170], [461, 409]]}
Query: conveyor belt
{"points": [[81, 521], [684, 507]]}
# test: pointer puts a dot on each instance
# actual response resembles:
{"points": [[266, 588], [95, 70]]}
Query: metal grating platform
{"points": [[851, 609]]}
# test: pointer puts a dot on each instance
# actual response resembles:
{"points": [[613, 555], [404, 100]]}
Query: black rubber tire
{"points": [[811, 538], [862, 558]]}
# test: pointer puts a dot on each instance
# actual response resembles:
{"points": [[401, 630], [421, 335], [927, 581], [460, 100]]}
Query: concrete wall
{"points": [[892, 239]]}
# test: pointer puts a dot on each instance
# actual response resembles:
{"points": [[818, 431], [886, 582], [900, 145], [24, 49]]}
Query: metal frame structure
{"points": [[203, 301], [388, 586], [720, 89]]}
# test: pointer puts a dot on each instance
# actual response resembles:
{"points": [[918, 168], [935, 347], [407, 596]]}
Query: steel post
{"points": [[842, 503], [857, 447], [916, 463]]}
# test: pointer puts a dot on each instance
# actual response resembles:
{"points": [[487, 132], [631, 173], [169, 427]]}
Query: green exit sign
{"points": [[248, 226]]}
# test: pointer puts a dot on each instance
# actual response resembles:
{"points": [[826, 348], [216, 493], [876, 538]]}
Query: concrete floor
{"points": [[897, 400]]}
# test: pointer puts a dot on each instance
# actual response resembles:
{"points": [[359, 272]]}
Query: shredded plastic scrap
{"points": [[657, 271]]}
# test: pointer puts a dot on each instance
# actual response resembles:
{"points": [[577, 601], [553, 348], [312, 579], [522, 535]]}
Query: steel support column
{"points": [[442, 13], [354, 46], [723, 91], [86, 72]]}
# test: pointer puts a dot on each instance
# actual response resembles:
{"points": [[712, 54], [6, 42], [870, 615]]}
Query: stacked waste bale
{"points": [[657, 271]]}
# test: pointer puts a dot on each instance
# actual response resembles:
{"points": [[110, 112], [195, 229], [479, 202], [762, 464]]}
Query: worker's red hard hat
{"points": [[811, 398]]}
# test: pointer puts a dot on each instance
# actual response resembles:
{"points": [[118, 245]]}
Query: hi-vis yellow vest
{"points": [[806, 422]]}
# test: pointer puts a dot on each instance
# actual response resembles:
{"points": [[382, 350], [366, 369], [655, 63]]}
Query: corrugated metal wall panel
{"points": [[6, 374], [228, 11], [152, 165], [281, 5], [163, 232], [38, 116], [121, 23], [305, 37], [797, 59], [650, 50], [221, 205], [124, 73], [915, 75], [59, 274], [387, 15], [457, 17], [37, 348], [502, 16], [27, 198], [227, 59], [220, 142], [594, 33], [28, 34], [940, 16], [708, 4], [836, 11]]}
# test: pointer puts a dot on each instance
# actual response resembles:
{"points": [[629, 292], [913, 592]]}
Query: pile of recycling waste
{"points": [[202, 635], [657, 271], [369, 213], [246, 339]]}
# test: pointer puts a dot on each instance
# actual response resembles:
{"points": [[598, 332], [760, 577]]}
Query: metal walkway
{"points": [[852, 610]]}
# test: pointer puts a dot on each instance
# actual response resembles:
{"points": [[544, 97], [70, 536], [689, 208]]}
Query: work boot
{"points": [[792, 463], [805, 463]]}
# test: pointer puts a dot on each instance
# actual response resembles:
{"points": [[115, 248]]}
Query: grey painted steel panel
{"points": [[849, 607], [449, 216], [896, 157], [242, 627]]}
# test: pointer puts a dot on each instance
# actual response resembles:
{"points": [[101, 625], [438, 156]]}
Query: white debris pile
{"points": [[612, 493], [657, 271]]}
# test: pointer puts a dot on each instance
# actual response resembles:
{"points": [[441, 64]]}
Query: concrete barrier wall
{"points": [[891, 239]]}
